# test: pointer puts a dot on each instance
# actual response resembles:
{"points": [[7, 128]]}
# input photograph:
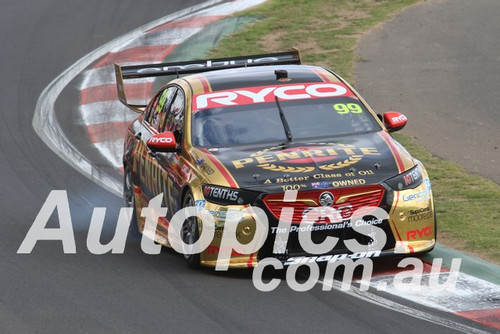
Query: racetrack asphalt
{"points": [[439, 63], [51, 292]]}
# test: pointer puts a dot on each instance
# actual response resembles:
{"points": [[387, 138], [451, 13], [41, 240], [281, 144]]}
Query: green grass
{"points": [[327, 32]]}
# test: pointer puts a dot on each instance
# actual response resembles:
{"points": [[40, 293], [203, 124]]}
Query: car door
{"points": [[169, 164], [150, 179]]}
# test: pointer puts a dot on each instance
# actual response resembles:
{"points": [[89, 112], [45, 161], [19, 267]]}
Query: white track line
{"points": [[469, 294], [174, 36], [392, 305]]}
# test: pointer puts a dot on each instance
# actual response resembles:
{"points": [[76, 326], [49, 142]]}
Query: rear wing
{"points": [[120, 88], [197, 66]]}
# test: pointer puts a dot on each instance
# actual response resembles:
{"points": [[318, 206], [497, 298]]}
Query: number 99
{"points": [[347, 108]]}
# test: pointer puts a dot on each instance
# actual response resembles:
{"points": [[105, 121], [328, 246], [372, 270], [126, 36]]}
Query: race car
{"points": [[233, 136]]}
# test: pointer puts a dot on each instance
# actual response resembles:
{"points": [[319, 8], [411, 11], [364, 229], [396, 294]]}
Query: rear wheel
{"points": [[129, 201], [190, 233]]}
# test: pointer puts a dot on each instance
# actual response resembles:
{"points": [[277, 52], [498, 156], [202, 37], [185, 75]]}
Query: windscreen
{"points": [[259, 123]]}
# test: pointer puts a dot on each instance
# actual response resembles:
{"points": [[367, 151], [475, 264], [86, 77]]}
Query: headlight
{"points": [[410, 179], [228, 196]]}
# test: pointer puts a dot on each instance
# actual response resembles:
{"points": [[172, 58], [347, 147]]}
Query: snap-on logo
{"points": [[263, 94]]}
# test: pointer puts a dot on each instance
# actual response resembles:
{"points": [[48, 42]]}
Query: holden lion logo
{"points": [[326, 198]]}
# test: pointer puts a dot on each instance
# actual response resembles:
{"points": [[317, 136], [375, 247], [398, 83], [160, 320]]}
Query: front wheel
{"points": [[190, 233]]}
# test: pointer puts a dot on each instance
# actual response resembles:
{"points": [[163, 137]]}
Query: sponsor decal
{"points": [[419, 214], [289, 187], [412, 176], [419, 233], [223, 215], [210, 64], [366, 172], [161, 140], [419, 196], [428, 184], [312, 228], [291, 179], [219, 229], [331, 258], [314, 185], [202, 164], [320, 185], [263, 94], [348, 183], [220, 193], [209, 170], [188, 174], [200, 203], [399, 119], [326, 176], [374, 221], [325, 227], [410, 179], [329, 156], [345, 210]]}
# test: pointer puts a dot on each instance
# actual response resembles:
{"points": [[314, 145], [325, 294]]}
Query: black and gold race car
{"points": [[240, 133]]}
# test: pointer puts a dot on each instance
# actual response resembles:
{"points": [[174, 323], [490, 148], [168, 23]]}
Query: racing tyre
{"points": [[129, 201], [190, 233]]}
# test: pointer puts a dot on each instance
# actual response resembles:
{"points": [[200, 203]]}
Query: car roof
{"points": [[257, 76]]}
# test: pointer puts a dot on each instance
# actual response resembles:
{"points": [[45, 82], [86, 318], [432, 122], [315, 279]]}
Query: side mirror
{"points": [[394, 121], [163, 142]]}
